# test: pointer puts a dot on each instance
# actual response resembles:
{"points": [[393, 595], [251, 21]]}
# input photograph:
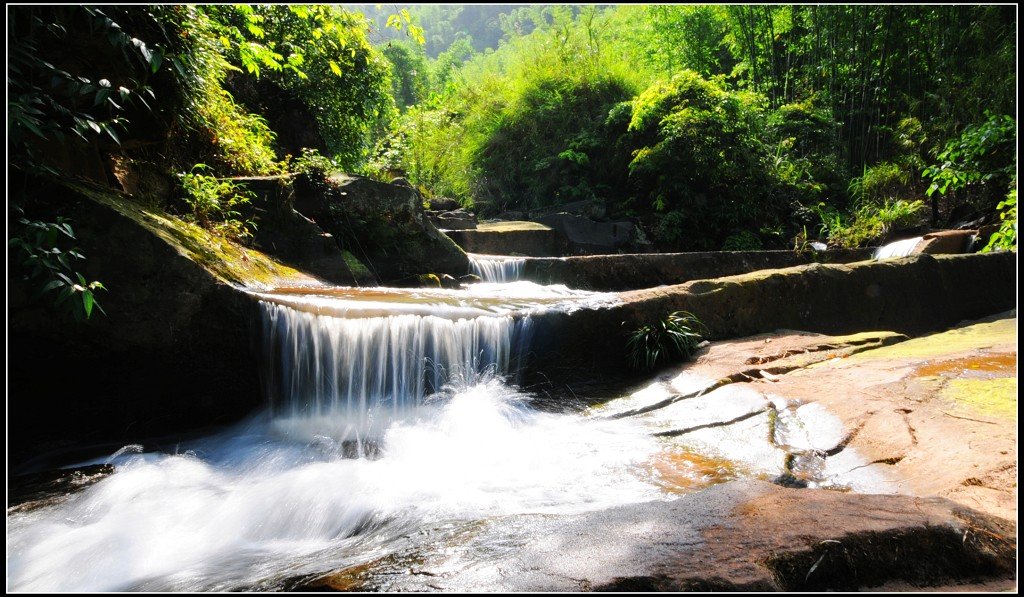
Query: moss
{"points": [[994, 397], [510, 226], [360, 271], [979, 335], [225, 259]]}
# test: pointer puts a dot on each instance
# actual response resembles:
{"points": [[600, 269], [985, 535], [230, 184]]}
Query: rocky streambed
{"points": [[801, 462]]}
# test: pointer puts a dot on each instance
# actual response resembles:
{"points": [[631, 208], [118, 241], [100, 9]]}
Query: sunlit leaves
{"points": [[43, 255]]}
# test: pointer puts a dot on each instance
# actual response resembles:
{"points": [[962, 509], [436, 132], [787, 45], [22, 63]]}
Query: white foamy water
{"points": [[900, 248], [381, 430], [473, 300], [379, 426], [267, 501], [496, 268]]}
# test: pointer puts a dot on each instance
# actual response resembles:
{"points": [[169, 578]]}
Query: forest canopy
{"points": [[711, 126], [713, 122]]}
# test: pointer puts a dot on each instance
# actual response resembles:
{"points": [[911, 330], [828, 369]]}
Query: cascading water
{"points": [[282, 495], [496, 268], [373, 369], [900, 248]]}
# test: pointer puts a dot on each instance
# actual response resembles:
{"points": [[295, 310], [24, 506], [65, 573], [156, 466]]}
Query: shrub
{"points": [[1006, 237], [742, 241], [978, 166], [674, 338], [697, 153], [213, 203], [870, 223], [884, 181]]}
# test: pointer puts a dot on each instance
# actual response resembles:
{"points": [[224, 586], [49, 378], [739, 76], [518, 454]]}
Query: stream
{"points": [[389, 412]]}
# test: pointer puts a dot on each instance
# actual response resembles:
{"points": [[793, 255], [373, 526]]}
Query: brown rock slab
{"points": [[744, 535], [945, 242]]}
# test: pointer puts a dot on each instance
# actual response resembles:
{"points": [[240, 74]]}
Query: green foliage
{"points": [[314, 165], [214, 203], [697, 154], [410, 73], [884, 181], [50, 100], [743, 240], [871, 222], [550, 145], [47, 257], [242, 142], [1006, 237], [672, 339], [806, 157], [982, 159], [321, 54], [313, 170], [782, 104]]}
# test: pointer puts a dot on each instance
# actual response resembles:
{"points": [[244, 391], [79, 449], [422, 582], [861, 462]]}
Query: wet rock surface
{"points": [[30, 492], [868, 412], [744, 535]]}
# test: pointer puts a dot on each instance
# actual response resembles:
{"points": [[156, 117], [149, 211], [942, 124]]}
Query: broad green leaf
{"points": [[87, 302]]}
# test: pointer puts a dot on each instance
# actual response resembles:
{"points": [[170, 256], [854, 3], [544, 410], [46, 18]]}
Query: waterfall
{"points": [[496, 268], [900, 248], [365, 367]]}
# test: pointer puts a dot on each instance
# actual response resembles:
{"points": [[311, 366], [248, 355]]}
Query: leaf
{"points": [[334, 67], [53, 284], [30, 125], [87, 302], [158, 59], [146, 53], [101, 96], [113, 135]]}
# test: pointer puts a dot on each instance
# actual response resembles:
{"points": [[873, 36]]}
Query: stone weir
{"points": [[506, 238], [645, 270], [909, 295]]}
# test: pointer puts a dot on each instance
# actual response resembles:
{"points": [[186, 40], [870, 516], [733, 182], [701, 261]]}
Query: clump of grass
{"points": [[672, 339]]}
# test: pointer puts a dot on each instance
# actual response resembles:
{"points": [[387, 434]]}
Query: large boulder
{"points": [[293, 239], [590, 237], [455, 219], [741, 536], [173, 351], [381, 223]]}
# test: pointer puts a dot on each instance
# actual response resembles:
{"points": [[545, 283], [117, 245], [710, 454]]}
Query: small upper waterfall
{"points": [[359, 367], [900, 248], [496, 268]]}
